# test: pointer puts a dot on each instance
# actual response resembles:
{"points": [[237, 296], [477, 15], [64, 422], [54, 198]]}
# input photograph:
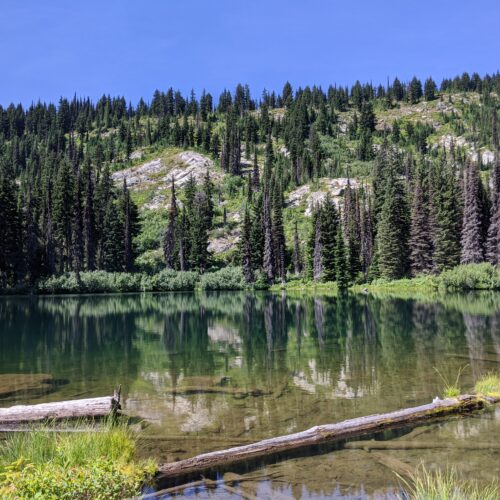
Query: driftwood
{"points": [[12, 417], [393, 464], [318, 435]]}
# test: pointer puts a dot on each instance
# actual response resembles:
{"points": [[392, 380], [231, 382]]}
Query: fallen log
{"points": [[393, 464], [237, 393], [418, 445], [14, 416], [318, 435]]}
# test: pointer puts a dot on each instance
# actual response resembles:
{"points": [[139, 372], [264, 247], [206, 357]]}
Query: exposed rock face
{"points": [[181, 167], [487, 156], [224, 242], [303, 194]]}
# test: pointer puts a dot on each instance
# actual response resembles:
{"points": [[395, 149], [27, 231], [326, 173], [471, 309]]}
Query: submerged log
{"points": [[14, 416], [318, 435], [419, 445]]}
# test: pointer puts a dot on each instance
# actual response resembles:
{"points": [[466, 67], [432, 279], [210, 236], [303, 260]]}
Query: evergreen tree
{"points": [[246, 257], [78, 239], [420, 236], [392, 232], [89, 223], [446, 220], [318, 250], [268, 255], [341, 266], [297, 254], [329, 230], [472, 233], [169, 243], [430, 89]]}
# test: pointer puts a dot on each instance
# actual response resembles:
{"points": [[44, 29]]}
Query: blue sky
{"points": [[131, 47]]}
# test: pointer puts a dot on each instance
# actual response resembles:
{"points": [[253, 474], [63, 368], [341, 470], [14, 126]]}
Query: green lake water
{"points": [[210, 371]]}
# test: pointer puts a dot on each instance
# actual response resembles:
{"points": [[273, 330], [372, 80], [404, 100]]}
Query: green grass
{"points": [[94, 463], [451, 388], [446, 485], [488, 385]]}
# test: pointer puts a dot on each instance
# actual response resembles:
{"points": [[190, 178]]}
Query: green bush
{"points": [[229, 278], [91, 282], [470, 277], [169, 280]]}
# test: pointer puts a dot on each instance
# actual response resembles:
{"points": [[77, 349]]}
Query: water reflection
{"points": [[261, 364]]}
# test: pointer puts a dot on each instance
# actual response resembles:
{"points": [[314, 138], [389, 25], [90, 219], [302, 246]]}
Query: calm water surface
{"points": [[209, 371]]}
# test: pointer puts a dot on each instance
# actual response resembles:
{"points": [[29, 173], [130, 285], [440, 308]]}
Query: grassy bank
{"points": [[461, 278], [97, 464]]}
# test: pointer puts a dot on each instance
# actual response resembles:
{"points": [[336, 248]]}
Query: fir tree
{"points": [[472, 233], [329, 230], [420, 236], [268, 254], [169, 242], [341, 266], [392, 232], [297, 254], [246, 257]]}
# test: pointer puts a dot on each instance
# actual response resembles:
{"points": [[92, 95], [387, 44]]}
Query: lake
{"points": [[210, 371]]}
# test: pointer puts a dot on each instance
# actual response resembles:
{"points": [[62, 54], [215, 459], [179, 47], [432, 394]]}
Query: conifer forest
{"points": [[418, 162]]}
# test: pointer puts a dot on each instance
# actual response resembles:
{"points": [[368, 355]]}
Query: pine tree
{"points": [[278, 234], [392, 232], [472, 233], [268, 263], [255, 172], [246, 257], [89, 229], [420, 236], [329, 230], [77, 239], [129, 221], [318, 250], [430, 89], [64, 201], [297, 254], [169, 243], [341, 265], [446, 218]]}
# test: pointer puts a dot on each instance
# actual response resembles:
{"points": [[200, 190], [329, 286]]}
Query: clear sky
{"points": [[131, 47]]}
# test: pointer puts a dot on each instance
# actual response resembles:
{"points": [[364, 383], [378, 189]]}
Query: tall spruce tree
{"points": [[246, 248], [169, 239], [420, 236], [472, 232], [393, 231], [329, 230], [297, 254]]}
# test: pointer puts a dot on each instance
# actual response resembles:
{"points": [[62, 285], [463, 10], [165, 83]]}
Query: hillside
{"points": [[306, 182]]}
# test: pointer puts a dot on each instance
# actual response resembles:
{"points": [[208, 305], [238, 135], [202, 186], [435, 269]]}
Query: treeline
{"points": [[60, 211]]}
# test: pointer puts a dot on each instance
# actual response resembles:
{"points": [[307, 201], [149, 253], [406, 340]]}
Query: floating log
{"points": [[318, 435], [14, 416]]}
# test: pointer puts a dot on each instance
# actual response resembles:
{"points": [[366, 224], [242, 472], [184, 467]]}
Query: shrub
{"points": [[91, 282], [169, 280], [471, 277], [229, 278]]}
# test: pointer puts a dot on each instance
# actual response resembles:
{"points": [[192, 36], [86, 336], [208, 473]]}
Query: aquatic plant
{"points": [[451, 389], [445, 485]]}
